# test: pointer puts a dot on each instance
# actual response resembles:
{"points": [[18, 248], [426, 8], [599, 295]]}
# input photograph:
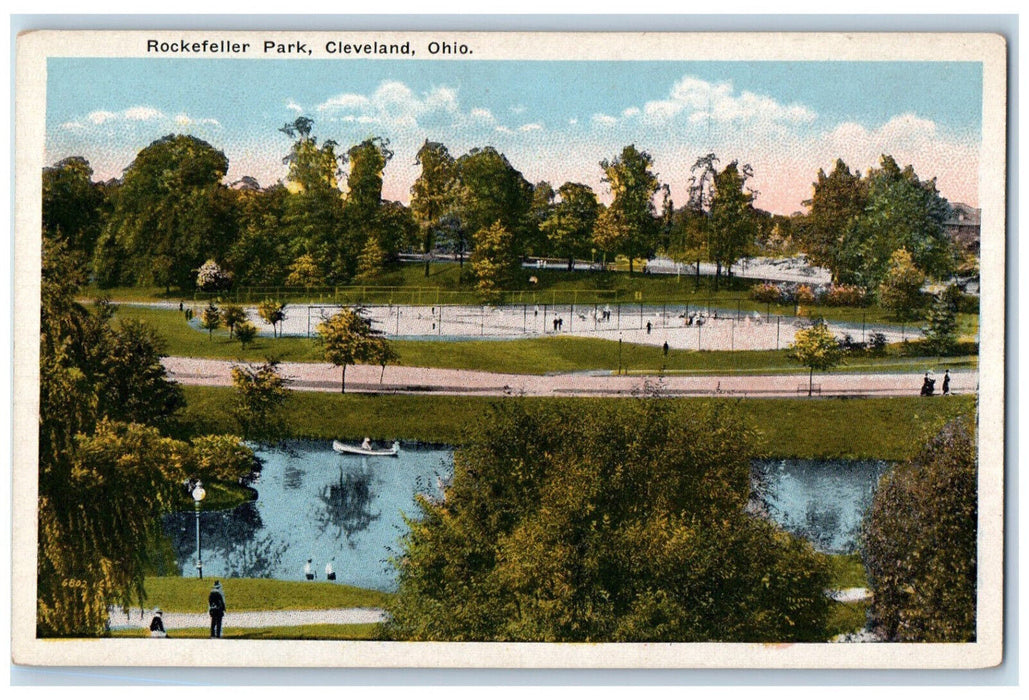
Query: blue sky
{"points": [[553, 120]]}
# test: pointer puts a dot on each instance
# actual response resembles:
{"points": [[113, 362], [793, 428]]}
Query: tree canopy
{"points": [[622, 522], [919, 542], [631, 214]]}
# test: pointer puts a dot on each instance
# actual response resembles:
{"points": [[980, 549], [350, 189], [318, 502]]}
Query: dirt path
{"points": [[417, 380], [265, 618]]}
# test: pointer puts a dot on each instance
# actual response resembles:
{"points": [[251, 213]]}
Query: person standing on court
{"points": [[216, 606]]}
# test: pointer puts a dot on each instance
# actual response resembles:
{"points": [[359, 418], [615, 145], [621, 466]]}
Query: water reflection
{"points": [[346, 505], [823, 501]]}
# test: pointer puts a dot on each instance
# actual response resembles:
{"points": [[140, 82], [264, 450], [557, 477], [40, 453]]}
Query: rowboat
{"points": [[345, 449]]}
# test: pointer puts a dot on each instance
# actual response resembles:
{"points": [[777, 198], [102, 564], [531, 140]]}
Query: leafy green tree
{"points": [[940, 330], [433, 194], [836, 207], [211, 319], [900, 292], [492, 191], [261, 253], [382, 353], [73, 205], [732, 223], [348, 338], [222, 458], [232, 316], [260, 393], [313, 221], [816, 348], [272, 312], [610, 523], [633, 185], [171, 213], [106, 474], [245, 333], [304, 272], [903, 212], [569, 228], [540, 211], [919, 542], [494, 261], [362, 207]]}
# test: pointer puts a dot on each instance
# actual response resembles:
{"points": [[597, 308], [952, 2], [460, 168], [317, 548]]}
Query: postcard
{"points": [[509, 350]]}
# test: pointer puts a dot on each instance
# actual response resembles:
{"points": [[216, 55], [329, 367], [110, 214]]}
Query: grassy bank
{"points": [[179, 594], [524, 356], [879, 428]]}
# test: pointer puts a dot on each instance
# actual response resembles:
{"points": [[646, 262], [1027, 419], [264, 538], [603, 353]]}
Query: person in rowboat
{"points": [[366, 444]]}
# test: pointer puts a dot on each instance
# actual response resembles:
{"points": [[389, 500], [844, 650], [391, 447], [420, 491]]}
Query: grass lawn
{"points": [[525, 356], [878, 428], [180, 594]]}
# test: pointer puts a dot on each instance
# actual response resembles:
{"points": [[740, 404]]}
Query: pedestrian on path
{"points": [[216, 607], [946, 382], [665, 348], [330, 573], [308, 572], [648, 327], [157, 625]]}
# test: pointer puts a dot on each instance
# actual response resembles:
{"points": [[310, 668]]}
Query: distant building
{"points": [[963, 226]]}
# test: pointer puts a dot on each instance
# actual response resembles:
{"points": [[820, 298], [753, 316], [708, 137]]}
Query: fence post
{"points": [[777, 319]]}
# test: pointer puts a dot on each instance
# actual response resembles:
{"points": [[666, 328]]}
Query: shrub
{"points": [[211, 277], [804, 295], [919, 543], [845, 295], [766, 293]]}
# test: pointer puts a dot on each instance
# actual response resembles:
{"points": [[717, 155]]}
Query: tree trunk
{"points": [[811, 382], [343, 383], [426, 264]]}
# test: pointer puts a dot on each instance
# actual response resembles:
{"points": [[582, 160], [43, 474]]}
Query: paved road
{"points": [[270, 618], [416, 380]]}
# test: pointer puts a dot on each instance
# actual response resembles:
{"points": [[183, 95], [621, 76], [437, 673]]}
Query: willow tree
{"points": [[106, 471]]}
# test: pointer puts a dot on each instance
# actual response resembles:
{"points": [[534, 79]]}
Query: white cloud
{"points": [[100, 116], [142, 114], [604, 119], [294, 107], [73, 125], [530, 127]]}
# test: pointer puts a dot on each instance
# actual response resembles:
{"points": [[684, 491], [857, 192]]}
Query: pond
{"points": [[349, 511], [820, 500], [314, 504]]}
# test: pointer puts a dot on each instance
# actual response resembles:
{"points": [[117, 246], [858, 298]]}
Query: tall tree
{"points": [[106, 473], [836, 206], [919, 542], [262, 253], [493, 191], [313, 220], [903, 212], [171, 213], [73, 205], [569, 228], [494, 262], [633, 185], [362, 207], [732, 223], [433, 194], [900, 291]]}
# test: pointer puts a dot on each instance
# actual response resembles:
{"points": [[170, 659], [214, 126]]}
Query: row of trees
{"points": [[327, 222]]}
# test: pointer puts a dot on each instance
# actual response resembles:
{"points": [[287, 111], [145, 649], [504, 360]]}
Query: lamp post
{"points": [[198, 494]]}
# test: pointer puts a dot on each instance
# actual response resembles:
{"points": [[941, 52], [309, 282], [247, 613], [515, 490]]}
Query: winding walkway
{"points": [[264, 618], [419, 380]]}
